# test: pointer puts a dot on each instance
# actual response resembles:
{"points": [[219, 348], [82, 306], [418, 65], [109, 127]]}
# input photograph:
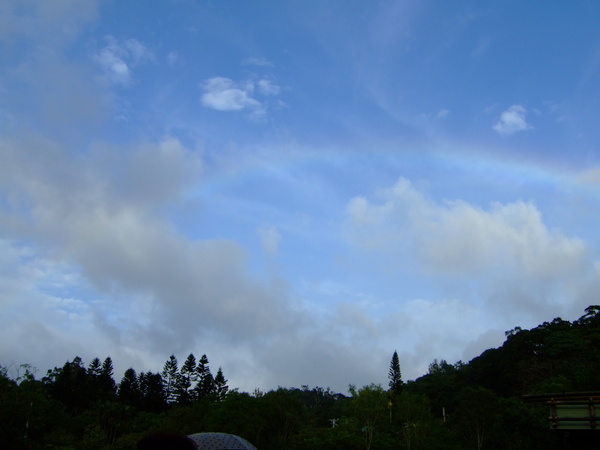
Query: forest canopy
{"points": [[455, 405]]}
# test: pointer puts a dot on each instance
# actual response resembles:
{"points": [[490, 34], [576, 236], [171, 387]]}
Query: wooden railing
{"points": [[570, 410]]}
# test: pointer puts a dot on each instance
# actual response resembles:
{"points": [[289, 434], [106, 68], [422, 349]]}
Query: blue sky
{"points": [[296, 189]]}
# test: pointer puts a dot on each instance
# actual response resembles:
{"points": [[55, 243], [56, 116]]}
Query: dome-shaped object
{"points": [[220, 441]]}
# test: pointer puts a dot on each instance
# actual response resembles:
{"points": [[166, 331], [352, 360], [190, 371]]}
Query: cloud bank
{"points": [[503, 251]]}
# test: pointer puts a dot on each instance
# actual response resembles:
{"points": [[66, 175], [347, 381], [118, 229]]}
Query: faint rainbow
{"points": [[502, 164]]}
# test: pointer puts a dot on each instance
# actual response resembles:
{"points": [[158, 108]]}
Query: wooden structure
{"points": [[573, 416]]}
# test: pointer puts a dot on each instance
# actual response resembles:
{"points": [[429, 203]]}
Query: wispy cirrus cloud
{"points": [[267, 87], [512, 121], [257, 62]]}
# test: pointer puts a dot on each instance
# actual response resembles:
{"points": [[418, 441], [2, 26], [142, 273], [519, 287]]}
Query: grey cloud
{"points": [[322, 357], [82, 212], [149, 175], [48, 92], [45, 22]]}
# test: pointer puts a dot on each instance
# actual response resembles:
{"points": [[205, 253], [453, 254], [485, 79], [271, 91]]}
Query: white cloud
{"points": [[116, 70], [266, 87], [137, 52], [117, 58], [456, 237], [504, 249], [224, 94], [512, 121]]}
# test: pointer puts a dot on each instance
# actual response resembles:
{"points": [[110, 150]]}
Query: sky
{"points": [[296, 189]]}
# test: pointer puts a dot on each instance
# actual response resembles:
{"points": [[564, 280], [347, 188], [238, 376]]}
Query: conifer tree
{"points": [[107, 367], [106, 384], [170, 374], [94, 380], [129, 388], [221, 387], [187, 376], [205, 385], [152, 392], [394, 375], [95, 367]]}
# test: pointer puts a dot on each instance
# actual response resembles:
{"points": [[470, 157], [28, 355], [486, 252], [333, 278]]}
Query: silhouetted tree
{"points": [[69, 385], [206, 384], [221, 387], [395, 375], [107, 384], [170, 374], [152, 391], [187, 377], [129, 389], [95, 368]]}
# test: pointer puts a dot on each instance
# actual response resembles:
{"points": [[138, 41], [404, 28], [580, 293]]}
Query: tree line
{"points": [[454, 406]]}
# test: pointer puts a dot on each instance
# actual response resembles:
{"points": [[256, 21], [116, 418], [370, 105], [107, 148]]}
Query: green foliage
{"points": [[371, 407], [454, 406], [476, 410], [395, 375], [411, 419], [220, 386]]}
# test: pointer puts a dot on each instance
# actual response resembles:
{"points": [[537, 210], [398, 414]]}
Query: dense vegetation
{"points": [[454, 406]]}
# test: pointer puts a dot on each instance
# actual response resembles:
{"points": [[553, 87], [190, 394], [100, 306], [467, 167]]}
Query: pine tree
{"points": [[107, 367], [170, 374], [152, 391], [107, 387], [94, 380], [221, 387], [394, 375], [129, 388], [95, 368], [206, 383], [186, 377]]}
